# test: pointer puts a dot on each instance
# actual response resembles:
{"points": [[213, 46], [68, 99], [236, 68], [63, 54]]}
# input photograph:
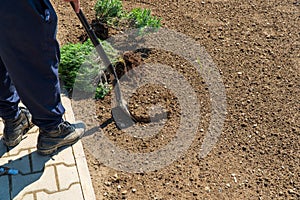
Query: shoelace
{"points": [[65, 125]]}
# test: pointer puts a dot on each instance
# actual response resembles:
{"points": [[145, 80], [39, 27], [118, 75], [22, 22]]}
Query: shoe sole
{"points": [[45, 152]]}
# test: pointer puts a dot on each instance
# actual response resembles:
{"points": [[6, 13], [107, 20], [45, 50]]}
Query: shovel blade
{"points": [[122, 117]]}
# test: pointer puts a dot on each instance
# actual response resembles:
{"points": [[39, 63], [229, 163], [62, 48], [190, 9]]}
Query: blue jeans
{"points": [[29, 58]]}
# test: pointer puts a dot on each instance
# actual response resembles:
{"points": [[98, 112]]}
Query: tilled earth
{"points": [[255, 45]]}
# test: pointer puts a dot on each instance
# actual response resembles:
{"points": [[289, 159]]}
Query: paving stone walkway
{"points": [[62, 176]]}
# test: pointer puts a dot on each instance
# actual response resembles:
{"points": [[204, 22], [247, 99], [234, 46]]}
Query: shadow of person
{"points": [[3, 148], [34, 174]]}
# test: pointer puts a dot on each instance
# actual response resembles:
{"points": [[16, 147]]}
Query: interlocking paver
{"points": [[30, 183], [29, 142], [28, 197], [66, 176], [73, 193], [64, 156], [62, 176], [33, 130], [4, 191], [20, 162]]}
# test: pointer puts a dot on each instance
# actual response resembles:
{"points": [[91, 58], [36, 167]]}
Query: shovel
{"points": [[120, 113]]}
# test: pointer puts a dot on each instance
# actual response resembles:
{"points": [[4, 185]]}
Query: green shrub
{"points": [[142, 18], [107, 10], [102, 91], [72, 57], [111, 12], [81, 64]]}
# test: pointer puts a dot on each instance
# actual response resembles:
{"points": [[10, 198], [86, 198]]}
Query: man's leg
{"points": [[9, 98], [16, 121], [30, 52]]}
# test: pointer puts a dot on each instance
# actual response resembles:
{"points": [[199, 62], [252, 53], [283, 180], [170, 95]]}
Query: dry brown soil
{"points": [[255, 45]]}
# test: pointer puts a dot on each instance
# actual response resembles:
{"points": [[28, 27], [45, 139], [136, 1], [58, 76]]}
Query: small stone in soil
{"points": [[107, 183], [116, 176], [207, 189]]}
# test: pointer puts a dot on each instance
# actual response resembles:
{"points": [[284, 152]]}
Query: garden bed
{"points": [[255, 46]]}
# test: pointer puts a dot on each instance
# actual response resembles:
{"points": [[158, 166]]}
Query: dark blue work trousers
{"points": [[29, 57]]}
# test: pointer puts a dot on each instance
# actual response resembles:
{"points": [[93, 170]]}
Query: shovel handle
{"points": [[107, 63], [93, 37], [100, 51]]}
